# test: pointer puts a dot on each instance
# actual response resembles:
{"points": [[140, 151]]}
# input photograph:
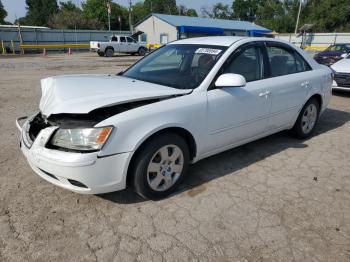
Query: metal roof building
{"points": [[161, 29]]}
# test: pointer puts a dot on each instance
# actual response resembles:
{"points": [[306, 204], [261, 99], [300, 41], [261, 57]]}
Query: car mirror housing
{"points": [[230, 80]]}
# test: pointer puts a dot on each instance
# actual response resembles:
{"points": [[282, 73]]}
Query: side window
{"points": [[285, 61], [248, 63], [143, 38], [301, 64], [122, 39], [343, 49], [282, 61], [114, 39]]}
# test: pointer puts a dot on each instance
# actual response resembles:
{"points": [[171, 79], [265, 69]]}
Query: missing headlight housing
{"points": [[81, 139]]}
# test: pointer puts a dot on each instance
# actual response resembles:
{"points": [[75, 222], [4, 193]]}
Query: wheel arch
{"points": [[319, 99], [109, 47], [182, 132]]}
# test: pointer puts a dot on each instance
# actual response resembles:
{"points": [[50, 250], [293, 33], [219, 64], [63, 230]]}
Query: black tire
{"points": [[109, 51], [139, 167], [101, 54], [142, 51], [298, 131]]}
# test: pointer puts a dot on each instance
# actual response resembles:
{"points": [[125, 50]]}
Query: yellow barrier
{"points": [[151, 46], [58, 46], [316, 47]]}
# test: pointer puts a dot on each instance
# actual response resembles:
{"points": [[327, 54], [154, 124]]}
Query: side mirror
{"points": [[230, 80], [344, 55]]}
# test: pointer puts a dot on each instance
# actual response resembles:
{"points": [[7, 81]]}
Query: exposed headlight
{"points": [[82, 139]]}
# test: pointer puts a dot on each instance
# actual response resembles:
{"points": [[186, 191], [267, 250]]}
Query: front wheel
{"points": [[307, 119], [142, 51], [160, 166]]}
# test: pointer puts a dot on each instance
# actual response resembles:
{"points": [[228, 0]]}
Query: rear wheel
{"points": [[307, 119], [109, 52], [160, 166]]}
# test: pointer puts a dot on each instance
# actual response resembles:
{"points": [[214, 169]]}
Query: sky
{"points": [[16, 8]]}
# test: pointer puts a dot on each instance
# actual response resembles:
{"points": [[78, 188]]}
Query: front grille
{"points": [[342, 79]]}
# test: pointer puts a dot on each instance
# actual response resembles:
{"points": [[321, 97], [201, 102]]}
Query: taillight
{"points": [[98, 45]]}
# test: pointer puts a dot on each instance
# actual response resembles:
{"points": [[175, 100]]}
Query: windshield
{"points": [[179, 66]]}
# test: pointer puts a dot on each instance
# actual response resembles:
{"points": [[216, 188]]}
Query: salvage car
{"points": [[333, 54], [186, 101], [118, 44]]}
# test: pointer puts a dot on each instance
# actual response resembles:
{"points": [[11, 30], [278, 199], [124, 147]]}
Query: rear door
{"points": [[123, 45], [290, 81]]}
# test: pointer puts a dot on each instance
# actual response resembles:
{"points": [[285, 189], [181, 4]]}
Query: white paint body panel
{"points": [[342, 66], [218, 119]]}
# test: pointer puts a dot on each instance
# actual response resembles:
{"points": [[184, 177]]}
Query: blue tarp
{"points": [[200, 29], [259, 32]]}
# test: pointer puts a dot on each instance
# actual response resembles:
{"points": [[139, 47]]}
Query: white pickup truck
{"points": [[118, 44]]}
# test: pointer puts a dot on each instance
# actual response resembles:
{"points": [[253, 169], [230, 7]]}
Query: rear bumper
{"points": [[85, 173], [94, 49]]}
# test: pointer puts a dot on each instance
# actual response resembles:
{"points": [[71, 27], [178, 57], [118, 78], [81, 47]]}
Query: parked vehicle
{"points": [[341, 71], [186, 101], [118, 44], [333, 54]]}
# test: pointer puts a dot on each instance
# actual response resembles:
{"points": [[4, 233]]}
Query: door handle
{"points": [[265, 94]]}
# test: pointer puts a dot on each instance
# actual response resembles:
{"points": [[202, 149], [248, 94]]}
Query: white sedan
{"points": [[341, 71], [186, 101]]}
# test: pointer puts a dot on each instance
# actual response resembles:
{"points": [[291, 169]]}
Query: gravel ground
{"points": [[276, 199]]}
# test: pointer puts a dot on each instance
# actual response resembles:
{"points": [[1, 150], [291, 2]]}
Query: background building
{"points": [[161, 29]]}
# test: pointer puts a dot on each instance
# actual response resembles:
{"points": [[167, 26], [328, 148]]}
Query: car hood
{"points": [[80, 94], [342, 66], [329, 53]]}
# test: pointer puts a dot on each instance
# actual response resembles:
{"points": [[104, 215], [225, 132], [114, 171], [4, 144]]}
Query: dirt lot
{"points": [[277, 199]]}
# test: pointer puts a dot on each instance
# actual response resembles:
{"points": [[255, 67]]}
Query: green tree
{"points": [[182, 10], [71, 16], [246, 10], [218, 11], [68, 6], [161, 6], [191, 12], [328, 15], [3, 13], [97, 9], [39, 12], [138, 12]]}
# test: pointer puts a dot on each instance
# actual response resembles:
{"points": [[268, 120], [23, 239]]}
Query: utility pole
{"points": [[130, 18], [109, 10], [297, 23]]}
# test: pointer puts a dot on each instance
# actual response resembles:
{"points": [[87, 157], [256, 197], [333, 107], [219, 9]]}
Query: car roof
{"points": [[210, 40], [221, 40]]}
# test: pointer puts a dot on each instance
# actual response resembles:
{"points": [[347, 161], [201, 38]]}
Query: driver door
{"points": [[236, 114]]}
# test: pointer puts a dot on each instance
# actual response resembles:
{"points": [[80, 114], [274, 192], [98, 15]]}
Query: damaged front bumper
{"points": [[86, 173]]}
